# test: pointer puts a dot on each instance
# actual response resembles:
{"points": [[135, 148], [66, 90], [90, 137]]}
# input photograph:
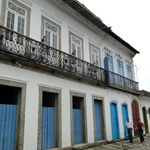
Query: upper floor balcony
{"points": [[24, 51]]}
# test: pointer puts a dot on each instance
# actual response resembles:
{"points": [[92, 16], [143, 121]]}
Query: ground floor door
{"points": [[124, 117], [98, 119], [145, 119], [49, 122], [114, 121], [135, 114], [78, 120], [8, 117]]}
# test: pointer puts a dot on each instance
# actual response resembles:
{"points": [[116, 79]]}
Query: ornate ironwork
{"points": [[38, 51]]}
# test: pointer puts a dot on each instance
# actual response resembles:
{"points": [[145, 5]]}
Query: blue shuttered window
{"points": [[129, 72], [120, 67], [108, 65]]}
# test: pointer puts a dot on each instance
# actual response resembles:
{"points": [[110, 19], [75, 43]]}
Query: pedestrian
{"points": [[139, 127], [129, 126]]}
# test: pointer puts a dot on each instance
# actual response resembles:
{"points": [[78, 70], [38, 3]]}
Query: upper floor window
{"points": [[108, 62], [95, 59], [120, 67], [129, 71], [16, 18], [51, 34], [76, 45]]}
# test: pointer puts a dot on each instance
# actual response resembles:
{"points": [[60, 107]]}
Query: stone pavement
{"points": [[125, 145]]}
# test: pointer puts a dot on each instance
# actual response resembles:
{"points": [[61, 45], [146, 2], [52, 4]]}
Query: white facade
{"points": [[31, 79], [69, 24]]}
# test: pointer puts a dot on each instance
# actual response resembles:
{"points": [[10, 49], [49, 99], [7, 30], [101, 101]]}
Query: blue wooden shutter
{"points": [[77, 126], [106, 63], [8, 118], [98, 120], [114, 121], [48, 128], [124, 117]]}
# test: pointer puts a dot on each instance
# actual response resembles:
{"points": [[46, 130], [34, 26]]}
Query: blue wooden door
{"points": [[124, 117], [48, 128], [77, 126], [8, 118], [98, 120], [106, 63], [114, 121]]}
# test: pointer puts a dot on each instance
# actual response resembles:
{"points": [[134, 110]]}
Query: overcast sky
{"points": [[130, 20]]}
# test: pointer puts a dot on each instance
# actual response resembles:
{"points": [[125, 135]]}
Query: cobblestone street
{"points": [[125, 145]]}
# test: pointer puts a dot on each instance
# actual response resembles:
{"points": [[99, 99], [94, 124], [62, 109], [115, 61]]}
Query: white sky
{"points": [[130, 20]]}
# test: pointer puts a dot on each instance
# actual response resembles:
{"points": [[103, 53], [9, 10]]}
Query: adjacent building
{"points": [[65, 77]]}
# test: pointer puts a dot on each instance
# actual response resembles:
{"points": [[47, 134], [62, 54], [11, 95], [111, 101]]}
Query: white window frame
{"points": [[16, 17], [77, 50], [52, 33], [95, 55], [129, 73], [120, 67]]}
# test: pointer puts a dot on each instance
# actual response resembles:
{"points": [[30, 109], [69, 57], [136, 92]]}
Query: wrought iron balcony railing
{"points": [[20, 45]]}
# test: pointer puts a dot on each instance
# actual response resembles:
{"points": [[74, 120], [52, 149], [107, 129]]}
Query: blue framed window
{"points": [[129, 72], [120, 67], [108, 62]]}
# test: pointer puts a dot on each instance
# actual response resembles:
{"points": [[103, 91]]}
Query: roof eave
{"points": [[85, 12]]}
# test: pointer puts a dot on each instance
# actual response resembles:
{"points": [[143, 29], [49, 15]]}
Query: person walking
{"points": [[129, 126], [140, 130]]}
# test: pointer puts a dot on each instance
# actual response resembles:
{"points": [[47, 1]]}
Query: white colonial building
{"points": [[65, 77]]}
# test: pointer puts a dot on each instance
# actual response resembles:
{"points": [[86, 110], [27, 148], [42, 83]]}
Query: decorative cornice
{"points": [[27, 2], [75, 31], [52, 17], [107, 50]]}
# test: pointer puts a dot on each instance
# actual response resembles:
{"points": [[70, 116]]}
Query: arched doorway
{"points": [[145, 119], [114, 121], [124, 117], [135, 114]]}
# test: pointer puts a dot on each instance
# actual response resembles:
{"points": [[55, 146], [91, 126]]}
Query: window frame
{"points": [[110, 57], [51, 35], [97, 63], [45, 19], [71, 34], [58, 114], [120, 68], [16, 18], [3, 17], [129, 71], [21, 110]]}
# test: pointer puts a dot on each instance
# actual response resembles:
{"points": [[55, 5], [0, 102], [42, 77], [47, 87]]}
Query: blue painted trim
{"points": [[114, 120], [129, 66], [48, 127], [108, 55], [77, 126], [8, 123], [122, 65], [98, 119], [124, 117]]}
